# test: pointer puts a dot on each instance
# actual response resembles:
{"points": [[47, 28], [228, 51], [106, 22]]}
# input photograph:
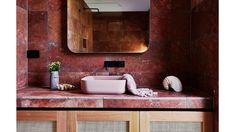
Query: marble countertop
{"points": [[40, 97]]}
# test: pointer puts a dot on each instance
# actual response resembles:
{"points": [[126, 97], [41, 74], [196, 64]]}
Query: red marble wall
{"points": [[170, 34], [120, 31], [204, 48], [22, 43], [168, 53]]}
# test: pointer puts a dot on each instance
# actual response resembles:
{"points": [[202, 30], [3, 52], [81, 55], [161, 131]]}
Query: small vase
{"points": [[54, 80]]}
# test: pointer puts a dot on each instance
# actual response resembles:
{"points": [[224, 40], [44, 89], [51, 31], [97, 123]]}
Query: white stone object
{"points": [[172, 82]]}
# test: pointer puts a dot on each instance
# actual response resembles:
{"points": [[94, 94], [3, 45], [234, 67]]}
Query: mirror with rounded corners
{"points": [[108, 26]]}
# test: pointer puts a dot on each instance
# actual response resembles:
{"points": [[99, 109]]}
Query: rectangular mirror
{"points": [[108, 26]]}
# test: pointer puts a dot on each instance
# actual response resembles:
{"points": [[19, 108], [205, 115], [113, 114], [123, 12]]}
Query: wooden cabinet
{"points": [[175, 121], [46, 121], [103, 121], [114, 121]]}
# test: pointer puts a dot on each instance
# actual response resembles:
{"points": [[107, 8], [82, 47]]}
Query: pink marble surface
{"points": [[21, 43], [39, 97]]}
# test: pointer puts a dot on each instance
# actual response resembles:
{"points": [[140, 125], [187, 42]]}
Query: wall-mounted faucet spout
{"points": [[108, 64]]}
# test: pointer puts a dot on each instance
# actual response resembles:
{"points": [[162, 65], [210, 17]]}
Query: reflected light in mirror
{"points": [[143, 47]]}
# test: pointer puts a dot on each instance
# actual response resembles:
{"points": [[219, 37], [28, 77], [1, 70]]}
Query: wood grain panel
{"points": [[176, 116]]}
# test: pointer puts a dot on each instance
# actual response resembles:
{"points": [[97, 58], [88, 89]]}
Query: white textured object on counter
{"points": [[131, 86], [145, 92], [172, 82], [65, 86]]}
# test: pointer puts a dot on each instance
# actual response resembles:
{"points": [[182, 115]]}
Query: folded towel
{"points": [[131, 86]]}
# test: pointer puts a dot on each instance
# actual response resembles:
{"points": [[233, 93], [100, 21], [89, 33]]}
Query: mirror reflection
{"points": [[108, 26]]}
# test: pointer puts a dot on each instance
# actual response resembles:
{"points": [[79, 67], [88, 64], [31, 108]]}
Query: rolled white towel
{"points": [[131, 86]]}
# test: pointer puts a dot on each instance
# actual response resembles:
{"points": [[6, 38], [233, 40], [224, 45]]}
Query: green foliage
{"points": [[54, 66]]}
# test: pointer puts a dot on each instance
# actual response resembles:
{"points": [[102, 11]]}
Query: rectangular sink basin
{"points": [[103, 85]]}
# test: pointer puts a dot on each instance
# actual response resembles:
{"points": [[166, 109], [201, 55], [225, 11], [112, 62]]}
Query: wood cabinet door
{"points": [[175, 121], [103, 121], [46, 121]]}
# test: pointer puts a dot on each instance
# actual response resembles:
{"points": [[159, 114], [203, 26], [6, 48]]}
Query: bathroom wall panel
{"points": [[204, 6], [204, 44], [170, 31], [38, 78], [21, 24], [22, 3], [149, 68], [204, 48], [21, 43], [181, 6], [22, 64], [38, 40], [38, 5], [38, 35]]}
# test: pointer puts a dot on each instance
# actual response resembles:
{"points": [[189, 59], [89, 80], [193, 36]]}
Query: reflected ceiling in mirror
{"points": [[108, 26]]}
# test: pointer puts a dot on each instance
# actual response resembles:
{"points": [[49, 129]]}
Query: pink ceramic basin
{"points": [[103, 85]]}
